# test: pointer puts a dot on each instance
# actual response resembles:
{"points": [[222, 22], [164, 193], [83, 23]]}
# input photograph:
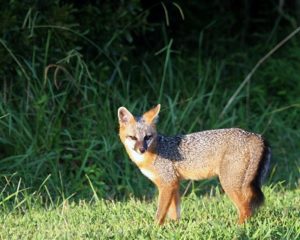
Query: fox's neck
{"points": [[169, 147]]}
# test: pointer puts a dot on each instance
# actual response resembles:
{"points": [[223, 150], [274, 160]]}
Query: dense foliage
{"points": [[66, 66]]}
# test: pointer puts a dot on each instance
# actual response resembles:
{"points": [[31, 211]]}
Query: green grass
{"points": [[59, 144], [203, 217]]}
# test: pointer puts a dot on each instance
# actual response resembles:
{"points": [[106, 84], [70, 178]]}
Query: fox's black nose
{"points": [[142, 149]]}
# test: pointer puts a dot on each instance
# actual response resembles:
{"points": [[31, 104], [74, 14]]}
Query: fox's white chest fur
{"points": [[148, 173]]}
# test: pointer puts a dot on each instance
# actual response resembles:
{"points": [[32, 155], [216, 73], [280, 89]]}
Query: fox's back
{"points": [[209, 153]]}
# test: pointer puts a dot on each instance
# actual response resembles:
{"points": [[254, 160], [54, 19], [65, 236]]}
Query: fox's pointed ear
{"points": [[124, 115], [152, 115]]}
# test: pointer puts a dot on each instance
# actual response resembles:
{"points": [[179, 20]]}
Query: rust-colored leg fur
{"points": [[174, 209], [246, 201], [243, 205], [165, 197]]}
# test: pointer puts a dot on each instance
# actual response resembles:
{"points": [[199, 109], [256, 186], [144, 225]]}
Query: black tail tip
{"points": [[264, 165], [258, 198]]}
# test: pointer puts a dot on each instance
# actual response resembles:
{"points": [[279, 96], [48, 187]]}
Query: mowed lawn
{"points": [[203, 217]]}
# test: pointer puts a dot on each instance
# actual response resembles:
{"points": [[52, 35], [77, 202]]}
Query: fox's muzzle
{"points": [[142, 150], [141, 147]]}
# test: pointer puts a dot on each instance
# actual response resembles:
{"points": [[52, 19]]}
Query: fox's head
{"points": [[138, 134]]}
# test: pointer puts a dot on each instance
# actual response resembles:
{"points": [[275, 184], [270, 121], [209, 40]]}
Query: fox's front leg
{"points": [[164, 200], [174, 209]]}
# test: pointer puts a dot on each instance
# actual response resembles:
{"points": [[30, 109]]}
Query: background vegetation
{"points": [[66, 67]]}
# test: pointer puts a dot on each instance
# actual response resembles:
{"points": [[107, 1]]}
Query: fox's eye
{"points": [[132, 138], [148, 137]]}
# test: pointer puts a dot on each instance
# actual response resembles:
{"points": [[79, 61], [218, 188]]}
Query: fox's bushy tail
{"points": [[262, 172]]}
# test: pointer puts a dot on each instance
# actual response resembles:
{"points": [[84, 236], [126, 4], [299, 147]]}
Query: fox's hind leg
{"points": [[239, 196], [252, 199], [241, 203], [246, 200]]}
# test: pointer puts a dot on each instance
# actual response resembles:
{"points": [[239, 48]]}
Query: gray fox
{"points": [[240, 159]]}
